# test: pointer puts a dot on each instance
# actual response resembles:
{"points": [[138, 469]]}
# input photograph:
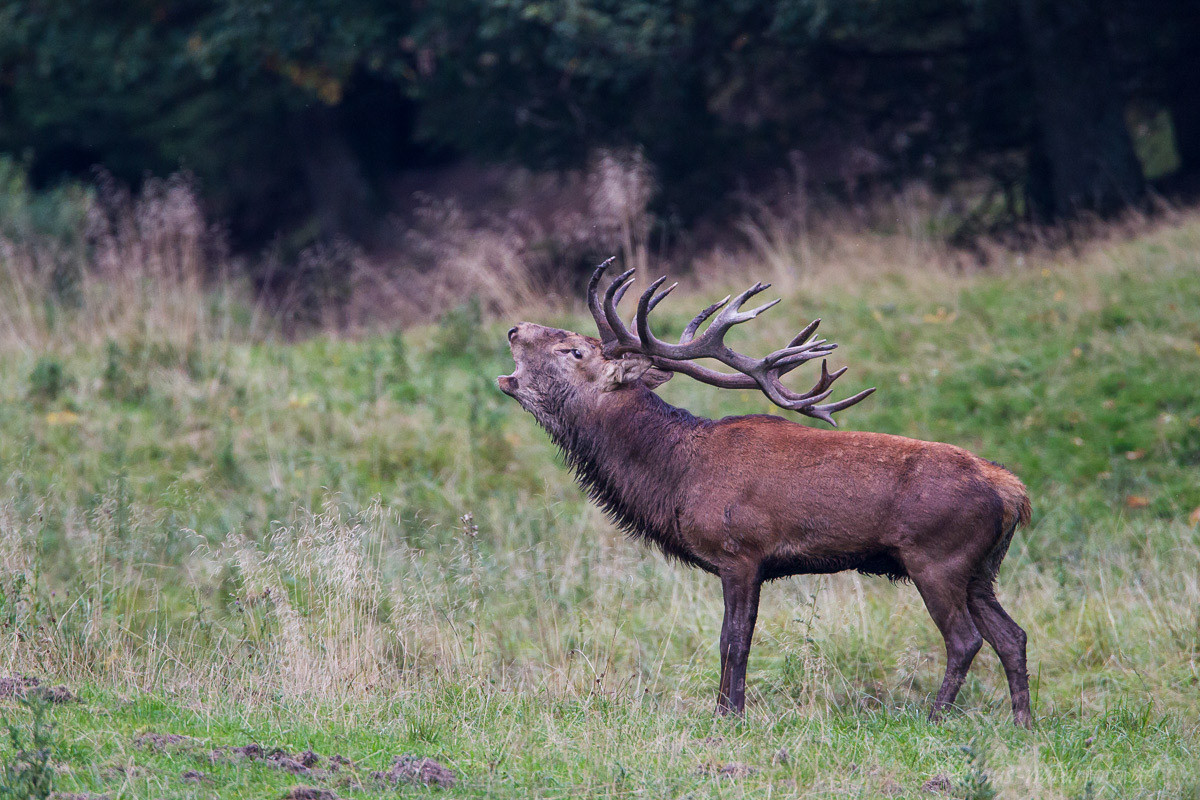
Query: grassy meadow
{"points": [[359, 547]]}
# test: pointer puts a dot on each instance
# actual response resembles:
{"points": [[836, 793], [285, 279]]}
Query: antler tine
{"points": [[794, 356], [711, 343], [646, 302], [754, 312], [828, 376], [621, 289], [658, 298], [689, 332], [804, 335], [619, 284], [730, 316], [623, 338], [800, 403], [733, 314], [824, 412], [606, 332], [782, 397], [820, 389]]}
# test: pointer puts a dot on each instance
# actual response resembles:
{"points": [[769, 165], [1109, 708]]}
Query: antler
{"points": [[761, 373]]}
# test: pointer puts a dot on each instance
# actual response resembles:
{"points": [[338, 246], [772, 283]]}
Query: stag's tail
{"points": [[1017, 511]]}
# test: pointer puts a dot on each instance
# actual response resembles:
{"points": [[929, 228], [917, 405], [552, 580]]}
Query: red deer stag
{"points": [[755, 498]]}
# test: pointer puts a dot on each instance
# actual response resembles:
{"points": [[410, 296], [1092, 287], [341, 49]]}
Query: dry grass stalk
{"points": [[148, 267], [319, 580]]}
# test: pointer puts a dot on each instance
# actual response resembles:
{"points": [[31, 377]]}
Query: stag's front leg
{"points": [[741, 611]]}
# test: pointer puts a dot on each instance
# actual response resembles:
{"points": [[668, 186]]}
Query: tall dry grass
{"points": [[146, 267], [527, 250], [319, 581], [620, 188], [151, 267]]}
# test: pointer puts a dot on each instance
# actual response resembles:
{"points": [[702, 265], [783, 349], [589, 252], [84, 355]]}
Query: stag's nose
{"points": [[521, 328]]}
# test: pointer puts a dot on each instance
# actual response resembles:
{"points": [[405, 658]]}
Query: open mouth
{"points": [[508, 383]]}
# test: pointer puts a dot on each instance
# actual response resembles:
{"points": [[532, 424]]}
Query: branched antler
{"points": [[761, 373]]}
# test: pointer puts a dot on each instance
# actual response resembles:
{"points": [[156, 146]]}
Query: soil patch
{"points": [[733, 769], [162, 742], [16, 685], [339, 762], [940, 784], [303, 763], [413, 770], [309, 793], [26, 686]]}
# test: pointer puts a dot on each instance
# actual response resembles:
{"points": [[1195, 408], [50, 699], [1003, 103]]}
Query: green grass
{"points": [[257, 541]]}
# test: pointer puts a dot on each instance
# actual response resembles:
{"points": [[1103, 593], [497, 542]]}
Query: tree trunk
{"points": [[1185, 86], [339, 194], [1083, 157]]}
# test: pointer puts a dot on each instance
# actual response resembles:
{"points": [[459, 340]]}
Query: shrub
{"points": [[47, 380], [26, 773]]}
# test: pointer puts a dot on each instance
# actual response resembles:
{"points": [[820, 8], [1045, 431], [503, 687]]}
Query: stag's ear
{"points": [[632, 367], [655, 377]]}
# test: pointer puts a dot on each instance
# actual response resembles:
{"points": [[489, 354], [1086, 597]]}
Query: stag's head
{"points": [[557, 368]]}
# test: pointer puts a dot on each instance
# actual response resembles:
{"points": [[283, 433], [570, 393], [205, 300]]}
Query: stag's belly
{"points": [[787, 535]]}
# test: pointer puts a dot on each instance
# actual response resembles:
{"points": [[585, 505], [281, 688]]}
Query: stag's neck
{"points": [[632, 453]]}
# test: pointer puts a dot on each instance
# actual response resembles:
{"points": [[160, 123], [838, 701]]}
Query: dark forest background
{"points": [[302, 118]]}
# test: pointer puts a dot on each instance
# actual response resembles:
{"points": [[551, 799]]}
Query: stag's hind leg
{"points": [[1007, 638], [945, 596]]}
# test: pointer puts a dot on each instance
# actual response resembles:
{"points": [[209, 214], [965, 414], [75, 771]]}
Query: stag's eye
{"points": [[577, 354]]}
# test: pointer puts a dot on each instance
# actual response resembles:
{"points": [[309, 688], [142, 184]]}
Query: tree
{"points": [[295, 114], [1183, 69], [1082, 157]]}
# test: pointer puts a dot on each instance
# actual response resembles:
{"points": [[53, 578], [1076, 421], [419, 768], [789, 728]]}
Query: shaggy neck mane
{"points": [[632, 457]]}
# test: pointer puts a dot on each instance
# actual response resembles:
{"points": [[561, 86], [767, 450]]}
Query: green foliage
{"points": [[458, 332], [19, 600], [227, 461], [977, 785], [399, 372], [118, 381], [26, 771], [47, 380], [57, 213]]}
